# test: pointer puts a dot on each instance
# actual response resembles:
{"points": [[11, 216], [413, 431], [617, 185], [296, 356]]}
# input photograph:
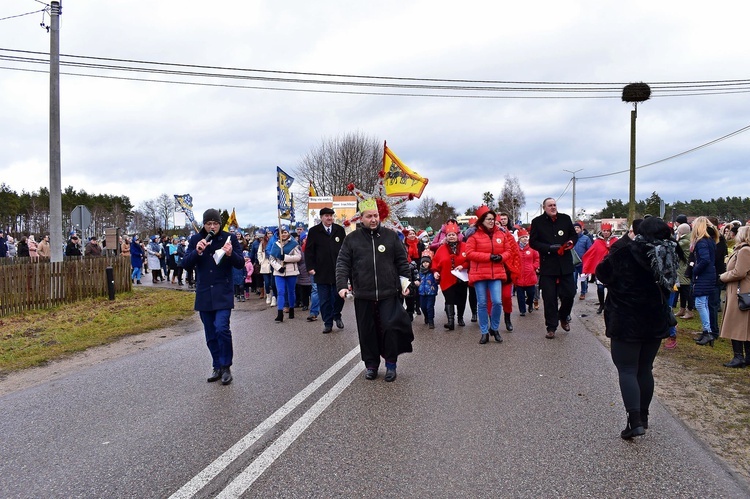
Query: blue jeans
{"points": [[268, 283], [285, 290], [331, 303], [314, 299], [495, 288], [701, 305], [218, 336], [427, 304], [136, 274]]}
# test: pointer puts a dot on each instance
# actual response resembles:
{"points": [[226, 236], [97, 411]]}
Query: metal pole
{"points": [[631, 207], [55, 188], [573, 215]]}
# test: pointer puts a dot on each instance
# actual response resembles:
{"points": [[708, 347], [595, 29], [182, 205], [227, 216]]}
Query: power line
{"points": [[21, 15], [711, 142]]}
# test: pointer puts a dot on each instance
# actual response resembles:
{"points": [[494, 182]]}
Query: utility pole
{"points": [[574, 216], [55, 185], [634, 93]]}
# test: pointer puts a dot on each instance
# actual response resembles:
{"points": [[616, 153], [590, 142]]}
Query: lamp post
{"points": [[573, 212], [635, 93]]}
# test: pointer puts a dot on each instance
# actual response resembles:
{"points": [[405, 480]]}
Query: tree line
{"points": [[725, 209]]}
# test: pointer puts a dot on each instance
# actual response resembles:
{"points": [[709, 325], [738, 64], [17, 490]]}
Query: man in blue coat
{"points": [[214, 291]]}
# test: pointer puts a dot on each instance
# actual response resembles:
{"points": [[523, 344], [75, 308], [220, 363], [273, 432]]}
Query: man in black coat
{"points": [[553, 236], [321, 251], [374, 260], [214, 288]]}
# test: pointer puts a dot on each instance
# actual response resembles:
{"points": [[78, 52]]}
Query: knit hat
{"points": [[425, 259], [683, 229], [579, 224], [681, 219], [211, 215]]}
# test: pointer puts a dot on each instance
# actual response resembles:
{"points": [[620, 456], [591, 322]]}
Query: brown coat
{"points": [[736, 323]]}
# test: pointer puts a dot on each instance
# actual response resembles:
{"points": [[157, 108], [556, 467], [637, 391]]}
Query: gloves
{"points": [[565, 247], [554, 248], [496, 258]]}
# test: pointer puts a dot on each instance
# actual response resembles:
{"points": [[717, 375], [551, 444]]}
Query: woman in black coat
{"points": [[640, 275]]}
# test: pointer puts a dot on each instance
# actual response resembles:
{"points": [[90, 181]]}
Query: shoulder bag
{"points": [[743, 299]]}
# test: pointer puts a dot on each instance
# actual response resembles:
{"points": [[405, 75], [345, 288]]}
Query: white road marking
{"points": [[220, 464], [245, 479]]}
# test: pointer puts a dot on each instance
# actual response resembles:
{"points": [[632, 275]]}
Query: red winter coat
{"points": [[479, 248], [444, 262], [529, 266]]}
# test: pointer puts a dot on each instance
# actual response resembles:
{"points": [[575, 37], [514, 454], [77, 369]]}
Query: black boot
{"points": [[508, 324], [280, 316], [451, 312], [600, 309], [496, 335], [644, 418], [747, 351], [705, 339], [484, 339], [634, 427], [291, 312], [431, 324], [460, 321], [473, 317], [738, 360]]}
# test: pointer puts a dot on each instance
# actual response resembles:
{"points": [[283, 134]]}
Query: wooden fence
{"points": [[27, 284]]}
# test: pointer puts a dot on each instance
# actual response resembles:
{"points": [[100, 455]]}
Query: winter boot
{"points": [[460, 320], [273, 301], [508, 324], [291, 312], [688, 315], [738, 360], [681, 312], [450, 311], [430, 324], [280, 316], [747, 351], [634, 427], [706, 338]]}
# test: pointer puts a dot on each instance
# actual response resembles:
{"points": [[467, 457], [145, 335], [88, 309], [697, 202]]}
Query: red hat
{"points": [[522, 232], [472, 220], [482, 210], [451, 227], [606, 226]]}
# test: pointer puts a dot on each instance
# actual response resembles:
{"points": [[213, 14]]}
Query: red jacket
{"points": [[444, 262], [529, 266], [479, 248]]}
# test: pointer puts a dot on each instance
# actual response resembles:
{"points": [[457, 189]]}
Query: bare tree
{"points": [[148, 216], [165, 208], [512, 198], [337, 162], [489, 199], [425, 210]]}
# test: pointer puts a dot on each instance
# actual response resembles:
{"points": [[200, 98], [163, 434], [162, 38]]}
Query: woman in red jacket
{"points": [[450, 256], [486, 250]]}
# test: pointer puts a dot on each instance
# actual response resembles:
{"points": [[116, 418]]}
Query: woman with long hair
{"points": [[639, 275], [703, 248]]}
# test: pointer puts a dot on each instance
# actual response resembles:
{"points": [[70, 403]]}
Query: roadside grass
{"points": [[705, 360], [37, 337]]}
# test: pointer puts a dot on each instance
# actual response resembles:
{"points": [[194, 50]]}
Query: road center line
{"points": [[245, 479], [220, 464]]}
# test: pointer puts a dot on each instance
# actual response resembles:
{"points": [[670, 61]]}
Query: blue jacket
{"points": [[213, 283], [428, 286], [136, 254], [704, 271]]}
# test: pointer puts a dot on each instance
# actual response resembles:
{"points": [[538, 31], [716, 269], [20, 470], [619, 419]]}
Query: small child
{"points": [[529, 267], [428, 289]]}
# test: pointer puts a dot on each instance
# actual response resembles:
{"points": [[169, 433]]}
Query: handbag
{"points": [[576, 259], [743, 299]]}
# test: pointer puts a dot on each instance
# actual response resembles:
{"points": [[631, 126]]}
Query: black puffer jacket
{"points": [[635, 308], [373, 260]]}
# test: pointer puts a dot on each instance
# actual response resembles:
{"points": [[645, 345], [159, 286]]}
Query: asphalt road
{"points": [[529, 417]]}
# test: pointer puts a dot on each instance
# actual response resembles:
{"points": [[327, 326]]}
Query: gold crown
{"points": [[368, 204]]}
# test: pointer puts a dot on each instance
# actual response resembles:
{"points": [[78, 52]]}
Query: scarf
{"points": [[412, 249]]}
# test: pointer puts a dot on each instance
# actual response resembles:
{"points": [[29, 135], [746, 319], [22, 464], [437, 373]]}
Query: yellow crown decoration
{"points": [[368, 204]]}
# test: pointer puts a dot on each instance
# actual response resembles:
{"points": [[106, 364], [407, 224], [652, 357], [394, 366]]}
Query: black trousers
{"points": [[634, 362], [554, 288], [384, 330], [456, 295]]}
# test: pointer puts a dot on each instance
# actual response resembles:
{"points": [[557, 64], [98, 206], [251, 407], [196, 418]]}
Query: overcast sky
{"points": [[222, 144]]}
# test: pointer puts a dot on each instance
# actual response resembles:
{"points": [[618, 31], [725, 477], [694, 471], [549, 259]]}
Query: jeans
{"points": [[267, 283], [218, 336], [136, 274], [427, 304], [701, 305], [314, 300], [285, 291], [495, 289]]}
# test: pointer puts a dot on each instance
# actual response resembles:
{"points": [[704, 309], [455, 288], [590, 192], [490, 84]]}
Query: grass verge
{"points": [[37, 337]]}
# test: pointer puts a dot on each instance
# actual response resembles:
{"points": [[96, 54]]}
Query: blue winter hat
{"points": [[284, 228], [153, 238]]}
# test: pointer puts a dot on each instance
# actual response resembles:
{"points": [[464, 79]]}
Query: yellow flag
{"points": [[399, 179], [311, 192], [232, 222]]}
